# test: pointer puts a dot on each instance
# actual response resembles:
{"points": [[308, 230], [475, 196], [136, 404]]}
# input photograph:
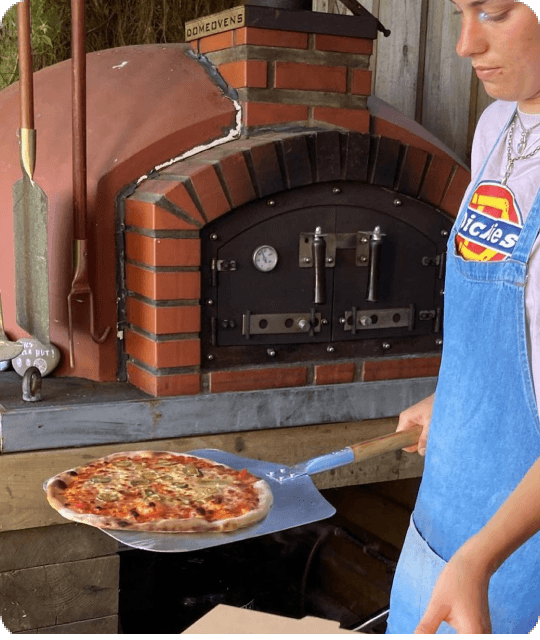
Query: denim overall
{"points": [[484, 437]]}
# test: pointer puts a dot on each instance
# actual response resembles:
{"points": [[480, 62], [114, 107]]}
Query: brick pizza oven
{"points": [[309, 141]]}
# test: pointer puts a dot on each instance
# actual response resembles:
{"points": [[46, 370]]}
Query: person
{"points": [[471, 559]]}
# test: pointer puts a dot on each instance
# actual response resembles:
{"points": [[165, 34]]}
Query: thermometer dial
{"points": [[265, 258]]}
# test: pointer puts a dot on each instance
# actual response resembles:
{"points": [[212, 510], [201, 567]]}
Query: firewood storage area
{"points": [[339, 569], [264, 245]]}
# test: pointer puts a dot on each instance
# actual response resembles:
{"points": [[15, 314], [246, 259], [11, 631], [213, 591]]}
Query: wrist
{"points": [[480, 557]]}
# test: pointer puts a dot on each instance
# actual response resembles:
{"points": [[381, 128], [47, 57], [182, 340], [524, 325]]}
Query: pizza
{"points": [[160, 491]]}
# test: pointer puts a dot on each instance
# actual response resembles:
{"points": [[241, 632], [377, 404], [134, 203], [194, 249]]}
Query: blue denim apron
{"points": [[484, 437]]}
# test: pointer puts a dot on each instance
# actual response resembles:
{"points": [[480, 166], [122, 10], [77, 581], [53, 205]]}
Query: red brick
{"points": [[216, 42], [163, 320], [147, 215], [401, 368], [175, 192], [414, 164], [245, 73], [163, 285], [294, 75], [163, 252], [361, 82], [334, 373], [179, 384], [262, 113], [352, 119], [251, 379], [207, 185], [455, 191], [271, 38], [436, 179], [160, 355], [386, 129], [237, 179], [344, 44]]}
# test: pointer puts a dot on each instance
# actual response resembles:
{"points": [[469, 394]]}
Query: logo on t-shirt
{"points": [[491, 225]]}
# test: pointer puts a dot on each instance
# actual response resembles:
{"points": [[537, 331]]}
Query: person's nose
{"points": [[472, 40]]}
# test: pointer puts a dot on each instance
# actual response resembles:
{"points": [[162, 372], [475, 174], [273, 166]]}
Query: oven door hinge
{"points": [[221, 265]]}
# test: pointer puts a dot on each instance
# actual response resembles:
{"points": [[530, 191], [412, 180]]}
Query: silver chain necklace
{"points": [[525, 133]]}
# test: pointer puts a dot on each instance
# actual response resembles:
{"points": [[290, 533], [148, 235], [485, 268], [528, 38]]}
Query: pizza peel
{"points": [[297, 500]]}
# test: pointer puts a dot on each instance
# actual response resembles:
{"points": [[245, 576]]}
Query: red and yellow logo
{"points": [[491, 225]]}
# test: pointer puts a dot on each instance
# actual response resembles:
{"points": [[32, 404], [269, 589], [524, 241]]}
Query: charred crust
{"points": [[135, 513], [123, 523], [73, 473], [59, 484]]}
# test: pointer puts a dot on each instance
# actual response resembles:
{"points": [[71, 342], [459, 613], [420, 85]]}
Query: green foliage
{"points": [[109, 23]]}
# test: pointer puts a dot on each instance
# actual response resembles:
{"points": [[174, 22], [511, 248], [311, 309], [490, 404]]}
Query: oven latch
{"points": [[318, 250], [275, 323]]}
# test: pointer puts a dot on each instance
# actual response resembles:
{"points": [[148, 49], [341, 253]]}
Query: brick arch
{"points": [[165, 214]]}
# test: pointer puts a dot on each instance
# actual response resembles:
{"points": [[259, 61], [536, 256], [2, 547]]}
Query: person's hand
{"points": [[418, 414], [460, 597]]}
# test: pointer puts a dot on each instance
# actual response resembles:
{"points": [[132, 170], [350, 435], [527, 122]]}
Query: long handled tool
{"points": [[30, 204], [296, 499], [80, 287]]}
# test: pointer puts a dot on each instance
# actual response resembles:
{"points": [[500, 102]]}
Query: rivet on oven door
{"points": [[330, 348], [386, 346], [271, 352], [398, 202], [271, 203], [325, 321], [438, 342], [210, 356], [336, 190], [444, 233], [209, 302], [214, 236]]}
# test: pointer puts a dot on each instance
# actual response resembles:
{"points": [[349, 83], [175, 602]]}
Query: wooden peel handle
{"points": [[385, 444], [26, 85]]}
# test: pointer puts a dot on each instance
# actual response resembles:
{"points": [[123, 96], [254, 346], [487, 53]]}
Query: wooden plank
{"points": [[23, 504], [51, 545], [98, 625], [448, 77], [398, 55], [59, 593]]}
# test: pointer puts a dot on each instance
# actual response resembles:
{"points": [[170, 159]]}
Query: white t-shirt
{"points": [[524, 184]]}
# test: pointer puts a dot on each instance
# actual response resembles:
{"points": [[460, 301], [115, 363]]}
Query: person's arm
{"points": [[460, 596], [418, 414]]}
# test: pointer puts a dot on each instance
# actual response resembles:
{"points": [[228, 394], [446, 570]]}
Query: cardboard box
{"points": [[225, 619]]}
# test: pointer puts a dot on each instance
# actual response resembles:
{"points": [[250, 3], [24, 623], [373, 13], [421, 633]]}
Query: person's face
{"points": [[502, 39]]}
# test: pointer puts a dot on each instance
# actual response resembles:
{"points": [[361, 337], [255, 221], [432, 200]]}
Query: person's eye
{"points": [[492, 17]]}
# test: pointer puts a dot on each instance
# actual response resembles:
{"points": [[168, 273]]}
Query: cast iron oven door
{"points": [[326, 271]]}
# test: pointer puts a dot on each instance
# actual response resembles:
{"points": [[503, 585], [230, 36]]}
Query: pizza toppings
{"points": [[160, 491]]}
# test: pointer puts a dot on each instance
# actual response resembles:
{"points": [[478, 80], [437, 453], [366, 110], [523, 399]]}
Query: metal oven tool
{"points": [[80, 286], [297, 501], [30, 204]]}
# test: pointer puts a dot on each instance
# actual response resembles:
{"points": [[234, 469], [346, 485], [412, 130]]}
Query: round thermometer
{"points": [[265, 258]]}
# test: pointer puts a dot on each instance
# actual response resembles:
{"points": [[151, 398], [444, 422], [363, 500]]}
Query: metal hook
{"points": [[31, 385]]}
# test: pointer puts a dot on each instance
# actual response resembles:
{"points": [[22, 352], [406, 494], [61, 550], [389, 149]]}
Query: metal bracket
{"points": [[359, 240], [276, 323], [378, 319]]}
